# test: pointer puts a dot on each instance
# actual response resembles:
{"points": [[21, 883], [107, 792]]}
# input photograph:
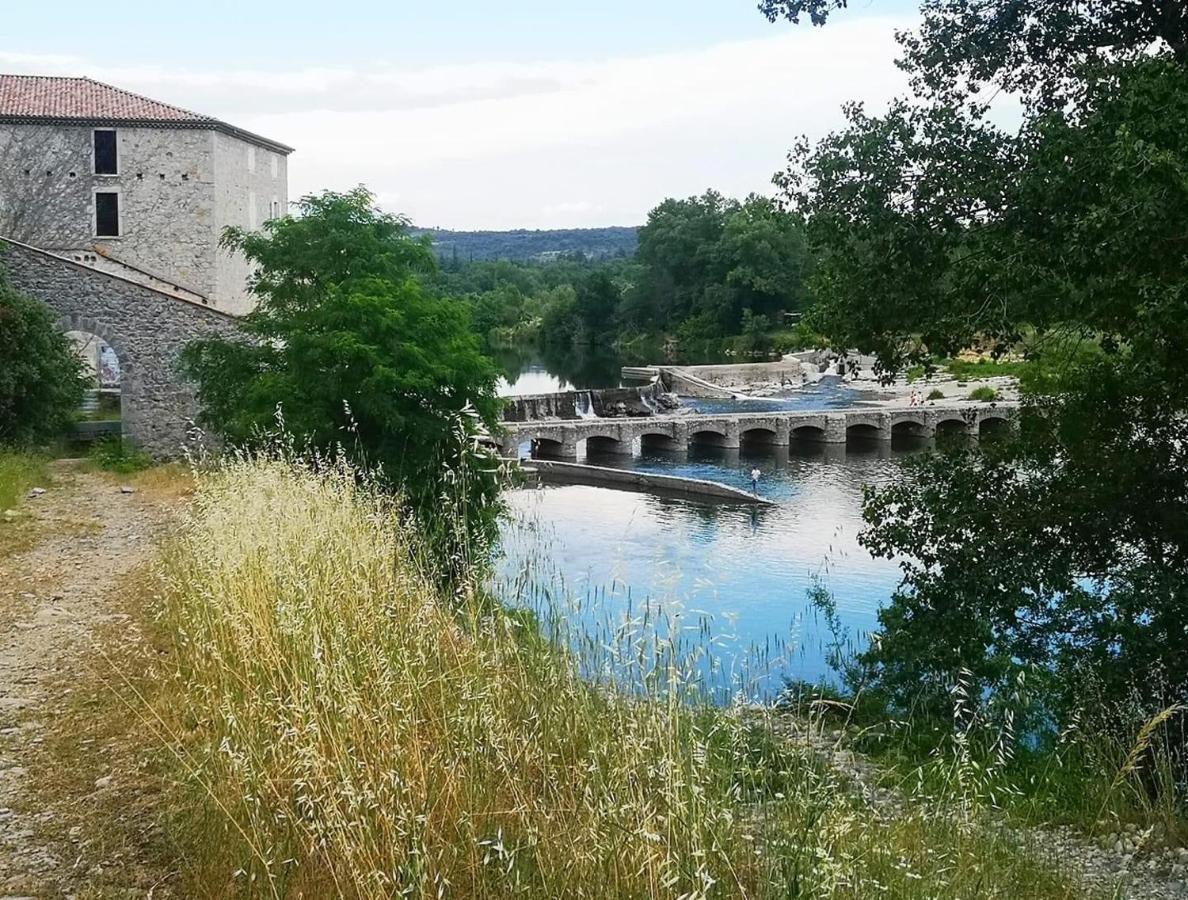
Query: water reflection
{"points": [[745, 571]]}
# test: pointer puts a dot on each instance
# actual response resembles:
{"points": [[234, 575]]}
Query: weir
{"points": [[560, 438]]}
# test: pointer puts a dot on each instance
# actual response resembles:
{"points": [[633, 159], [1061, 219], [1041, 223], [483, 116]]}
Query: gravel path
{"points": [[53, 597]]}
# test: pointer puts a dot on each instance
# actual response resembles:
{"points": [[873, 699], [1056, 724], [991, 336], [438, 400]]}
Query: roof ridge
{"points": [[144, 97]]}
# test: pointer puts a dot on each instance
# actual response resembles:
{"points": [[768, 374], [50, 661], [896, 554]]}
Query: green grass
{"points": [[119, 455], [971, 370], [18, 473], [985, 393], [341, 728]]}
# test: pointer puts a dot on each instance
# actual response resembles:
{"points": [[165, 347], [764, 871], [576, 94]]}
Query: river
{"points": [[737, 578]]}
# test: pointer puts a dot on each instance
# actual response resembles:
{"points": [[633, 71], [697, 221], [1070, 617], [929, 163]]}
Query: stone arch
{"points": [[653, 440], [545, 446], [605, 443], [107, 371], [147, 328], [810, 433], [993, 424], [863, 431], [951, 426], [909, 426], [708, 435], [758, 436]]}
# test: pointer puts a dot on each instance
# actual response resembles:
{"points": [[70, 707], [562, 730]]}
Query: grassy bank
{"points": [[18, 473], [340, 728]]}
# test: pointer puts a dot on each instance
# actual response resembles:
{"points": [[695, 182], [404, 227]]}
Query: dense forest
{"points": [[711, 275]]}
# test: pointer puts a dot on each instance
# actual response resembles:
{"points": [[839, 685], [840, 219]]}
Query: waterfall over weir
{"points": [[584, 405], [595, 404]]}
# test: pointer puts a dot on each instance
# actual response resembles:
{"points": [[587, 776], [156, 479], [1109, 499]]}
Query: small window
{"points": [[251, 210], [106, 158], [251, 159], [275, 165], [107, 214]]}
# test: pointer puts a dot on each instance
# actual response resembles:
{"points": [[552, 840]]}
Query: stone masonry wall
{"points": [[249, 180], [146, 328], [166, 188]]}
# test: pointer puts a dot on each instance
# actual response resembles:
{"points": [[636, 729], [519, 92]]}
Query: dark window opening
{"points": [[106, 162], [107, 215]]}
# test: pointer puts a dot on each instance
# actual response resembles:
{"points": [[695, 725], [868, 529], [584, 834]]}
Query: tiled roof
{"points": [[52, 98]]}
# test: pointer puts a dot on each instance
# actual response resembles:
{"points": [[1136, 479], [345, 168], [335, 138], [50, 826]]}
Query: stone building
{"points": [[133, 186]]}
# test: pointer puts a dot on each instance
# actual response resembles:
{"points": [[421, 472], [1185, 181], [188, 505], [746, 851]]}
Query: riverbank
{"points": [[159, 726]]}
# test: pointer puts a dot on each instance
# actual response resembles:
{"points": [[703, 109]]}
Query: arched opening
{"points": [[546, 447], [809, 434], [707, 439], [101, 414], [950, 431], [757, 439], [658, 442], [862, 432], [993, 427], [909, 435], [601, 445], [908, 428]]}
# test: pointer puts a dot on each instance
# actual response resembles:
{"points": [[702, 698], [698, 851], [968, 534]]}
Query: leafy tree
{"points": [[41, 380], [354, 350], [1066, 547], [710, 258]]}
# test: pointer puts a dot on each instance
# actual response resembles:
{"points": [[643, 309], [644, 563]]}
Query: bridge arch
{"points": [[145, 327], [813, 433], [863, 431], [708, 435], [758, 436], [659, 440], [605, 443], [993, 424], [909, 426], [951, 425]]}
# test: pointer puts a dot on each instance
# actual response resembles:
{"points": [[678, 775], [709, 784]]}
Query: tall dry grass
{"points": [[341, 729]]}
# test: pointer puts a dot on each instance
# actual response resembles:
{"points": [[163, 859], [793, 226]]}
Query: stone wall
{"points": [[166, 188], [179, 188], [250, 183], [146, 328]]}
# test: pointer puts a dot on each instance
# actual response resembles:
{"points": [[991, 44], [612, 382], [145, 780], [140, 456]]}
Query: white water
{"points": [[584, 405]]}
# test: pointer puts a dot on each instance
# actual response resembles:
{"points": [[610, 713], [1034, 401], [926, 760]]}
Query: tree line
{"points": [[708, 268]]}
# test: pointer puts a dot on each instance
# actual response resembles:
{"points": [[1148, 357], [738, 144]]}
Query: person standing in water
{"points": [[755, 473]]}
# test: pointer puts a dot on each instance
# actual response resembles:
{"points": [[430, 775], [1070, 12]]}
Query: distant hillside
{"points": [[522, 244]]}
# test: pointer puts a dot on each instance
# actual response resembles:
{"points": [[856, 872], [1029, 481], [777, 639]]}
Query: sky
{"points": [[487, 115]]}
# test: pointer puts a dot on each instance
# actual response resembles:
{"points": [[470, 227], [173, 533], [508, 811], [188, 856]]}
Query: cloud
{"points": [[512, 144]]}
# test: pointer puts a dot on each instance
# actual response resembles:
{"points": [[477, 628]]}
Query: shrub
{"points": [[41, 375], [984, 393], [936, 394], [356, 352], [116, 454]]}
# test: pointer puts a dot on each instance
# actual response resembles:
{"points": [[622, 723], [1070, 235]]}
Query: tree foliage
{"points": [[355, 351], [710, 258], [41, 380], [932, 227]]}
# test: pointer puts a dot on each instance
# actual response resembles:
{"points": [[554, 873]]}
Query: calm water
{"points": [[739, 574], [731, 579]]}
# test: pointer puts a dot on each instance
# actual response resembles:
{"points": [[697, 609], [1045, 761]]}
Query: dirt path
{"points": [[53, 599]]}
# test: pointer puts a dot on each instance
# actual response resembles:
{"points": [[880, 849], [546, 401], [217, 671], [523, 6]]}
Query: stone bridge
{"points": [[146, 327], [771, 429]]}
